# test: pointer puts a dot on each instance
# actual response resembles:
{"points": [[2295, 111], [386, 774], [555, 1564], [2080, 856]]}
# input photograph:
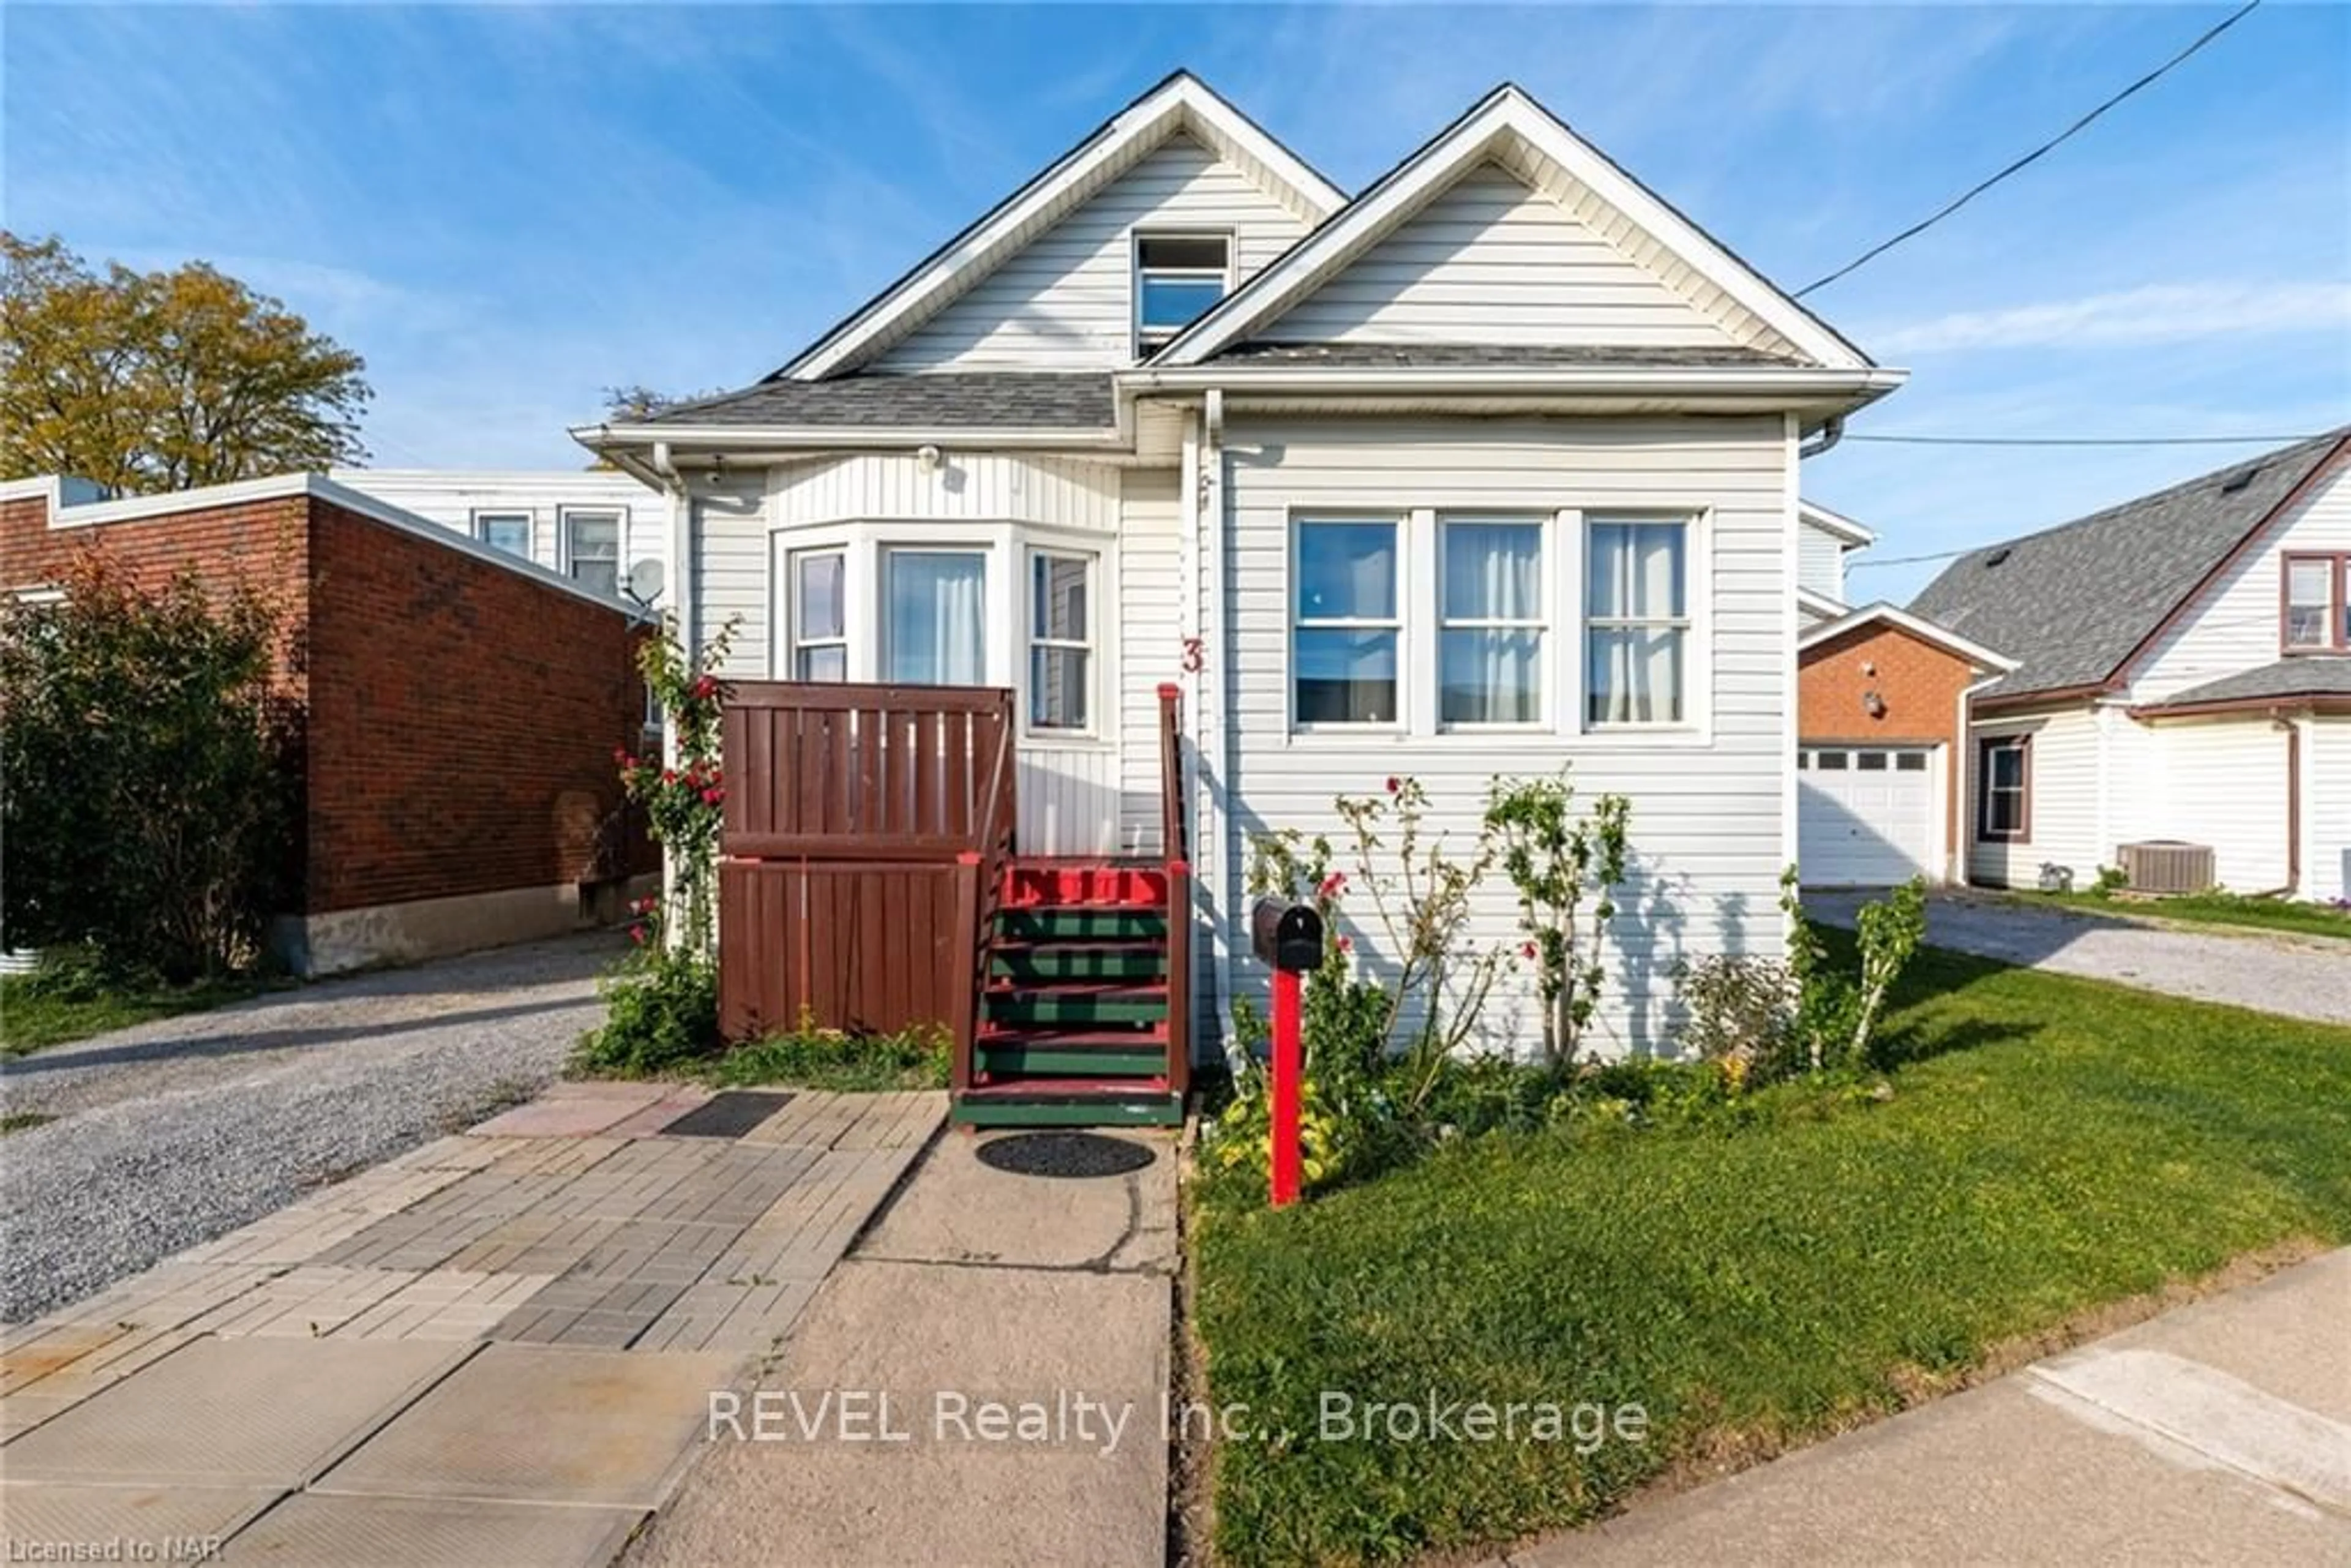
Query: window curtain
{"points": [[1493, 572], [938, 618], [1636, 670]]}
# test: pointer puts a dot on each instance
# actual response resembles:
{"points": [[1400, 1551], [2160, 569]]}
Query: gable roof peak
{"points": [[1508, 119]]}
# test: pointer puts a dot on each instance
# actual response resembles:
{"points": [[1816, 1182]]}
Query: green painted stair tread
{"points": [[1079, 961], [1013, 1061], [1071, 1005], [1072, 922]]}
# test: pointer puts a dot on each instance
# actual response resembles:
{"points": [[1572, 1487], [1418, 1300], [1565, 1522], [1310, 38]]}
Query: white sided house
{"points": [[2182, 703], [591, 525], [1489, 468]]}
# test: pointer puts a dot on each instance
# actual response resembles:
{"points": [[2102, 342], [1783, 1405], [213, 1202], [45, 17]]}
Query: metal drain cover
{"points": [[727, 1115], [1064, 1154]]}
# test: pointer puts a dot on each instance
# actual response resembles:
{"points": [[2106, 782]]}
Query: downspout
{"points": [[1210, 717], [1831, 433], [1963, 784]]}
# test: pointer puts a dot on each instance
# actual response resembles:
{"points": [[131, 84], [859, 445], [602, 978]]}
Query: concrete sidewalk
{"points": [[980, 1382], [2217, 1433]]}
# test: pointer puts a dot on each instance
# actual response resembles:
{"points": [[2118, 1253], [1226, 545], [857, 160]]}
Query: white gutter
{"points": [[1241, 380]]}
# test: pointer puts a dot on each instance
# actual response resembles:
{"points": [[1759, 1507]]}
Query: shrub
{"points": [[661, 1001], [1743, 1016], [1836, 1014], [836, 1060], [1555, 860], [147, 811]]}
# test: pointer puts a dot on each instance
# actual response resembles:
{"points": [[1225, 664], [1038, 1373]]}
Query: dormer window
{"points": [[1178, 278]]}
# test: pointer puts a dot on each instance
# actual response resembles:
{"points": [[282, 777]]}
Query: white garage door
{"points": [[1866, 815]]}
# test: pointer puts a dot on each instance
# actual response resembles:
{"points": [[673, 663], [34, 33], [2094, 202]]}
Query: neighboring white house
{"points": [[591, 525], [1491, 468], [2185, 675]]}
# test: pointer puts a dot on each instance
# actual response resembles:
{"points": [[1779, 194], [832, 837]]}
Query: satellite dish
{"points": [[646, 580]]}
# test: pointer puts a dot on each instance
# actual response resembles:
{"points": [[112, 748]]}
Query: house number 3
{"points": [[1194, 658]]}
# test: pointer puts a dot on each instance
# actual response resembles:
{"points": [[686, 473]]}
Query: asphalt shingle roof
{"points": [[2071, 603], [1418, 356], [2304, 676], [951, 400]]}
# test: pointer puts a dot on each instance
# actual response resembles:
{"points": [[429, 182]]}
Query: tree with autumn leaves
{"points": [[146, 381]]}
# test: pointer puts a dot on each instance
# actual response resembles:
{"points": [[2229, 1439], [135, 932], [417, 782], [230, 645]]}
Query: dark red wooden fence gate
{"points": [[864, 837]]}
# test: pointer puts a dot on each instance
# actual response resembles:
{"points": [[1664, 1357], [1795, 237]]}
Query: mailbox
{"points": [[1287, 936]]}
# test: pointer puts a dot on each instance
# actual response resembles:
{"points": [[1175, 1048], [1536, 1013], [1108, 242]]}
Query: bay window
{"points": [[935, 617], [819, 622], [1490, 643], [1060, 640], [1344, 628], [1637, 622]]}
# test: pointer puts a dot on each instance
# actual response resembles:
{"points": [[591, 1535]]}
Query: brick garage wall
{"points": [[265, 545], [463, 719], [1921, 684]]}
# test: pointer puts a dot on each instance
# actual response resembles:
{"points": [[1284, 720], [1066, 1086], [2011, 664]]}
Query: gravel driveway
{"points": [[2301, 977], [173, 1132]]}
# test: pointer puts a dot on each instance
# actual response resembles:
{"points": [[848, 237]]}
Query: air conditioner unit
{"points": [[2166, 865]]}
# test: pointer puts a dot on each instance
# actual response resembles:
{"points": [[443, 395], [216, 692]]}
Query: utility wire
{"points": [[2037, 154], [2084, 440]]}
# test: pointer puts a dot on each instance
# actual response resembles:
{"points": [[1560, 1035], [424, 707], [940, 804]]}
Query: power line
{"points": [[2037, 154], [2084, 440]]}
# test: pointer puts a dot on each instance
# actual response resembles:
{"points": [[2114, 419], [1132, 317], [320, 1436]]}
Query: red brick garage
{"points": [[1880, 766], [461, 707]]}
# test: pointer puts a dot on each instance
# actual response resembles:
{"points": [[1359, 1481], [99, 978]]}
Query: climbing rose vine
{"points": [[685, 801]]}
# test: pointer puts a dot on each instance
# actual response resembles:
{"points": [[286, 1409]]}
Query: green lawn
{"points": [[2210, 909], [33, 1015], [2057, 1144]]}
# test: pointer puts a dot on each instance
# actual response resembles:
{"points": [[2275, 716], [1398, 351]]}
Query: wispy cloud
{"points": [[2156, 313]]}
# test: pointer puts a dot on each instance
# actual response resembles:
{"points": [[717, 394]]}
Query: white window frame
{"points": [[482, 517], [794, 640], [1690, 622], [1548, 574], [566, 517], [1087, 643], [1142, 339], [1398, 623], [990, 590]]}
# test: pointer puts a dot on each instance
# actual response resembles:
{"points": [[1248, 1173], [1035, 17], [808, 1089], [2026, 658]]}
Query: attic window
{"points": [[1178, 278]]}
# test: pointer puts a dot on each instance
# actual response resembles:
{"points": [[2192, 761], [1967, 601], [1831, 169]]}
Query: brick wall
{"points": [[1921, 684], [463, 719], [461, 716]]}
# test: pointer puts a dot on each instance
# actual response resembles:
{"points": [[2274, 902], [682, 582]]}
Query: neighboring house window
{"points": [[2315, 613], [935, 626], [508, 532], [1060, 640], [819, 616], [591, 550], [1345, 633], [1490, 643], [1636, 622], [2005, 770], [1178, 278]]}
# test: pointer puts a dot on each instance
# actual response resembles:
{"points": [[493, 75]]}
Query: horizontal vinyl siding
{"points": [[1708, 820], [974, 486], [2236, 622], [730, 572], [1150, 558], [1493, 261], [2221, 783], [2064, 790], [1819, 561], [452, 498], [1062, 302], [2327, 807]]}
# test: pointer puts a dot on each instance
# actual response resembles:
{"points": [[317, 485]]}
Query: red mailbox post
{"points": [[1289, 938]]}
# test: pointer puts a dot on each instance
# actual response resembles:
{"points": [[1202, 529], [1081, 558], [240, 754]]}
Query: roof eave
{"points": [[1950, 642], [2290, 702], [722, 438]]}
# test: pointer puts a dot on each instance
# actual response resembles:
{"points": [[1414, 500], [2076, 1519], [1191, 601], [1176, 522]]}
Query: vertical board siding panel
{"points": [[1061, 302], [1150, 556]]}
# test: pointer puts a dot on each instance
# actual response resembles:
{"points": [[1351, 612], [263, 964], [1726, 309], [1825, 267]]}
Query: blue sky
{"points": [[508, 208]]}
